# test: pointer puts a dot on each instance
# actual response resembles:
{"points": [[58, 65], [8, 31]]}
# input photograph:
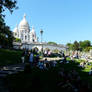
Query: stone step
{"points": [[3, 75], [7, 72]]}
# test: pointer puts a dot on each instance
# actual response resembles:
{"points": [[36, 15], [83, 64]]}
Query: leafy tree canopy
{"points": [[17, 40], [84, 44], [52, 43], [81, 45], [7, 4], [70, 46], [6, 36], [76, 45]]}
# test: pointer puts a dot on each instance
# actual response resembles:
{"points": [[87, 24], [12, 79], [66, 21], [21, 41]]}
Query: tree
{"points": [[6, 36], [84, 45], [76, 45], [81, 45], [70, 46], [17, 40], [7, 4], [52, 43]]}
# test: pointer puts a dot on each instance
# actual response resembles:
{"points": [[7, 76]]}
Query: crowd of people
{"points": [[33, 58], [68, 81]]}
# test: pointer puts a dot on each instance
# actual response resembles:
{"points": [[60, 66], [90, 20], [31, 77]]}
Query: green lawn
{"points": [[83, 72], [46, 80], [8, 57]]}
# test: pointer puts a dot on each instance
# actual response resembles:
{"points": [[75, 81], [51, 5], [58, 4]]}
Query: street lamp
{"points": [[41, 32]]}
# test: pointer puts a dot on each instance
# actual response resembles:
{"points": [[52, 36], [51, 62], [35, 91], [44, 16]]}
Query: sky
{"points": [[62, 21]]}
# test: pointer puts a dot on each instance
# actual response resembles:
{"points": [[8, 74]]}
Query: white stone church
{"points": [[28, 37], [23, 32]]}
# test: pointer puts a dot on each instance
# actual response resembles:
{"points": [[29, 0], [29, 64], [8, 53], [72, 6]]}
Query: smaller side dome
{"points": [[15, 29], [33, 31], [16, 32]]}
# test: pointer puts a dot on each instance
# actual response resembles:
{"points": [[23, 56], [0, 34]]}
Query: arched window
{"points": [[33, 35], [22, 36], [33, 40], [28, 37]]}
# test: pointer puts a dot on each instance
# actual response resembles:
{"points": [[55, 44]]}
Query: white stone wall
{"points": [[39, 46]]}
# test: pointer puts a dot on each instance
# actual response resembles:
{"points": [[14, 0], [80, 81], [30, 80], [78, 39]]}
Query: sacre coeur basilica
{"points": [[29, 39], [24, 33]]}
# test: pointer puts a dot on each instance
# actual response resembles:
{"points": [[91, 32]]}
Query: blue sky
{"points": [[61, 20]]}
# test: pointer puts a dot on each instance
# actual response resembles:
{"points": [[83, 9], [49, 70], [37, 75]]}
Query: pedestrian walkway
{"points": [[11, 69], [52, 59], [6, 70]]}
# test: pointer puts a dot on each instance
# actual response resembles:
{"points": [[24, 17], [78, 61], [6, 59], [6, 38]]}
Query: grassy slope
{"points": [[48, 79], [9, 57], [84, 72]]}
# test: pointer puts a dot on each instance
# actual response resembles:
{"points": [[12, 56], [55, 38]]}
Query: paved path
{"points": [[11, 69], [5, 70], [52, 59]]}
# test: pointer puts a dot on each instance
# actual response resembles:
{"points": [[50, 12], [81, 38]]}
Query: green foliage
{"points": [[6, 37], [82, 45], [52, 43], [46, 81], [87, 49], [17, 40], [56, 51], [7, 4], [70, 46], [10, 57], [76, 45]]}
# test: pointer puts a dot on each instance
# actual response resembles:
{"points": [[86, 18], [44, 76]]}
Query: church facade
{"points": [[24, 33], [28, 38]]}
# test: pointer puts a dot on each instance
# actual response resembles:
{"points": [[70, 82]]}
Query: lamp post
{"points": [[41, 32]]}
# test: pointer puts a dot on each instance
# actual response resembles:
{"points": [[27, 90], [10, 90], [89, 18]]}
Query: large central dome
{"points": [[24, 23], [23, 32]]}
